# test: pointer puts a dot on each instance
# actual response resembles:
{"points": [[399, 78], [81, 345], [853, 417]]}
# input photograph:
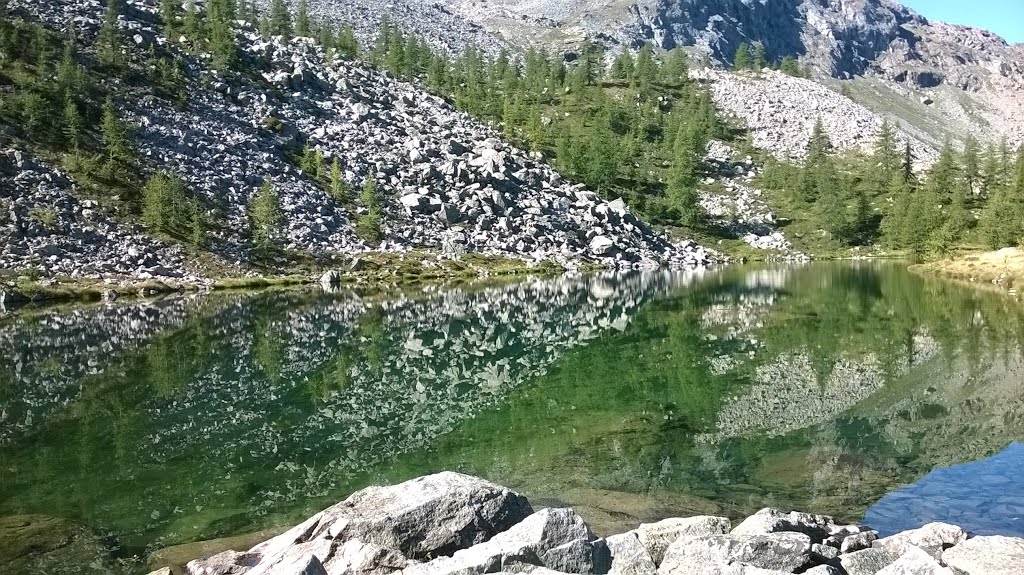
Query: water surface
{"points": [[632, 397]]}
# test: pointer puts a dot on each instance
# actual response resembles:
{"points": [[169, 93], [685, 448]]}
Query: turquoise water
{"points": [[633, 397]]}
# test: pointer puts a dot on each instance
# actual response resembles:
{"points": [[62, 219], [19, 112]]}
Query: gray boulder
{"points": [[528, 542], [994, 555], [770, 520], [932, 538], [691, 554], [629, 556], [579, 556], [657, 537], [427, 517], [916, 561], [867, 562]]}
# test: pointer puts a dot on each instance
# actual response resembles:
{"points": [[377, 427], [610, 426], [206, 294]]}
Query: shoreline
{"points": [[1000, 271], [454, 524], [368, 270]]}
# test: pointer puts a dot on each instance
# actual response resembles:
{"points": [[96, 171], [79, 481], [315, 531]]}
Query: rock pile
{"points": [[449, 524], [445, 179], [737, 208], [780, 111], [46, 228]]}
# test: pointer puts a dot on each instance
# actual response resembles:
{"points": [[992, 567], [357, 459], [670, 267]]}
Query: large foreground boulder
{"points": [[694, 554], [556, 539], [427, 517], [992, 555]]}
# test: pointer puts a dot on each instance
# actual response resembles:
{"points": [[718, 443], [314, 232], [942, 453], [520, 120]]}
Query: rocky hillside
{"points": [[446, 180], [969, 74]]}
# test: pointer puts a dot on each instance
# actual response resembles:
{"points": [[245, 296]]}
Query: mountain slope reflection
{"points": [[632, 397]]}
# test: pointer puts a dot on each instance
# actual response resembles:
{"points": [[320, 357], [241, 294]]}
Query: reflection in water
{"points": [[985, 497], [631, 396]]}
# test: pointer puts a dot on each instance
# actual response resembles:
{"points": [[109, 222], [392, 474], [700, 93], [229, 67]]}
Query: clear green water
{"points": [[632, 397]]}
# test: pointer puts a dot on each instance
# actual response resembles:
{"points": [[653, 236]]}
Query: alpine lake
{"points": [[859, 390]]}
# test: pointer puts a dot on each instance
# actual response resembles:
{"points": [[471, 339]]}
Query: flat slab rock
{"points": [[454, 524]]}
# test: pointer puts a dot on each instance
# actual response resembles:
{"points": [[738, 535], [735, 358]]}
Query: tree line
{"points": [[971, 196]]}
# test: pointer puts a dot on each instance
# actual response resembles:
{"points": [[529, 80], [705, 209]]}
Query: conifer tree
{"points": [[741, 61], [760, 60], [682, 183], [169, 13], [302, 27], [280, 19], [676, 69], [74, 125], [622, 67], [368, 225], [790, 66], [972, 165], [885, 157], [645, 71], [348, 47], [192, 25], [222, 44], [197, 226], [894, 224], [108, 41], [339, 186], [265, 217], [114, 135]]}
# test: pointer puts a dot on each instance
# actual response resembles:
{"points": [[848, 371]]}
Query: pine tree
{"points": [[682, 182], [192, 26], [676, 69], [222, 44], [790, 66], [645, 71], [280, 19], [818, 173], [972, 165], [741, 61], [339, 186], [894, 224], [760, 60], [74, 125], [622, 67], [302, 27], [265, 217], [945, 175], [163, 199], [368, 225], [348, 47], [197, 226], [114, 135], [108, 41], [70, 77], [169, 10]]}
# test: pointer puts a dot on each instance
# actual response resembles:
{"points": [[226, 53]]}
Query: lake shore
{"points": [[1002, 269], [371, 270], [450, 523]]}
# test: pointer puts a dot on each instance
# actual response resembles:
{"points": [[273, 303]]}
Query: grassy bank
{"points": [[1003, 269], [368, 270]]}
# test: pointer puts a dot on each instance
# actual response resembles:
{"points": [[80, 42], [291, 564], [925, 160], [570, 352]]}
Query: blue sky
{"points": [[1004, 17]]}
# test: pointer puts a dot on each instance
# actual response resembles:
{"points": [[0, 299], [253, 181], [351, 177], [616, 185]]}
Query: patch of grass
{"points": [[273, 124], [1003, 268], [259, 282], [45, 216]]}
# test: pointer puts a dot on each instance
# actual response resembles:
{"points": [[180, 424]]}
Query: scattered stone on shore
{"points": [[454, 524]]}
